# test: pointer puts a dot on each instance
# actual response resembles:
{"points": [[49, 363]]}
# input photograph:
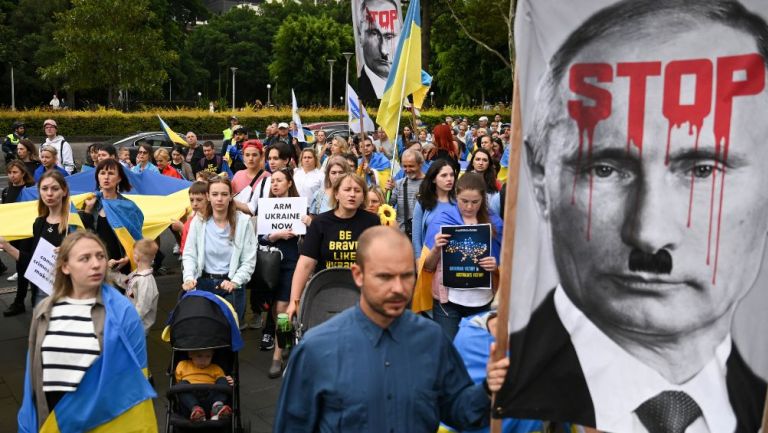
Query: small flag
{"points": [[356, 111], [299, 133], [174, 137]]}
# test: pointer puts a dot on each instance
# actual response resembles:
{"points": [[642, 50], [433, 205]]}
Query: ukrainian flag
{"points": [[382, 165], [504, 163], [174, 137], [126, 219], [114, 394], [405, 77]]}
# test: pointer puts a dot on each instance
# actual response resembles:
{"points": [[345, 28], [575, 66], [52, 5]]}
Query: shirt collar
{"points": [[616, 395], [377, 82], [373, 331]]}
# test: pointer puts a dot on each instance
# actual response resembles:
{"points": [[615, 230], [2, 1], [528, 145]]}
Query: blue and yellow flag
{"points": [[174, 137], [405, 77], [126, 220], [114, 394]]}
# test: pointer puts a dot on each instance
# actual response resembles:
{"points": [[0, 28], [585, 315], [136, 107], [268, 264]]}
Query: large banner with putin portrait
{"points": [[640, 290], [377, 26]]}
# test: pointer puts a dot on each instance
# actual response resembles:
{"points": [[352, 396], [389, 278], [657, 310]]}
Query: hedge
{"points": [[116, 123]]}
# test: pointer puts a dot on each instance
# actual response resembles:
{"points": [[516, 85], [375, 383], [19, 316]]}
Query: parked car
{"points": [[332, 129], [156, 138]]}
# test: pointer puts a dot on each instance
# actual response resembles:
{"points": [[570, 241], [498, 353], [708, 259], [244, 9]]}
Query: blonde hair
{"points": [[354, 178], [311, 152], [342, 144], [62, 283], [332, 162], [146, 248], [162, 151]]}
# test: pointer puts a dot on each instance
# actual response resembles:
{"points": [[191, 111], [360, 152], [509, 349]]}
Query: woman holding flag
{"points": [[115, 219], [87, 359], [52, 224]]}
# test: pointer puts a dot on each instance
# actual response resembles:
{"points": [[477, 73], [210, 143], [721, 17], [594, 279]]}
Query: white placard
{"points": [[276, 214], [42, 266]]}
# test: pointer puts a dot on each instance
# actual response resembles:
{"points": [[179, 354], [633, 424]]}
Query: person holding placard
{"points": [[452, 303], [331, 240], [51, 224], [287, 242], [279, 156], [220, 251]]}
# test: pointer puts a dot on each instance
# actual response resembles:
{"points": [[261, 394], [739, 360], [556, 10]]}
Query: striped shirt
{"points": [[70, 344]]}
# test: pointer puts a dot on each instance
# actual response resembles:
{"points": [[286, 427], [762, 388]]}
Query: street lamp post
{"points": [[330, 86], [431, 99], [347, 56], [13, 92], [269, 88], [170, 82], [234, 69], [199, 98]]}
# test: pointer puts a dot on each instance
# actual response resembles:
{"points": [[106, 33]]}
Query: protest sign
{"points": [[467, 245], [42, 266], [642, 221], [281, 214]]}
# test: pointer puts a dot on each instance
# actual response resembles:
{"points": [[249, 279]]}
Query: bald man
{"points": [[377, 367]]}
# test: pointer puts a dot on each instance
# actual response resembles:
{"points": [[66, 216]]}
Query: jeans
{"points": [[236, 298], [449, 315], [204, 399]]}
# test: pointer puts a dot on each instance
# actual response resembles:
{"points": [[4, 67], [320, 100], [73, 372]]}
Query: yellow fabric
{"points": [[407, 81], [138, 419], [16, 218], [187, 370], [422, 293], [384, 176], [503, 173]]}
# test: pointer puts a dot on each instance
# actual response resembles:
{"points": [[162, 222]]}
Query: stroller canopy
{"points": [[202, 320], [329, 292]]}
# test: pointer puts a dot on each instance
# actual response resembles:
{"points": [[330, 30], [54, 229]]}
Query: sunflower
{"points": [[387, 215]]}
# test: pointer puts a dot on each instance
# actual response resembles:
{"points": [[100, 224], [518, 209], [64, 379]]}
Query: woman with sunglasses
{"points": [[144, 157]]}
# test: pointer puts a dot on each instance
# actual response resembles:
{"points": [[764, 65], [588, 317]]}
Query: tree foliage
{"points": [[119, 50], [302, 47]]}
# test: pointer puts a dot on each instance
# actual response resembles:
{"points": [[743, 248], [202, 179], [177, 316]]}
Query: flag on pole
{"points": [[174, 137], [299, 133], [405, 77], [357, 111]]}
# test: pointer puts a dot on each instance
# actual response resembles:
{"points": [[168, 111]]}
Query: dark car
{"points": [[332, 129]]}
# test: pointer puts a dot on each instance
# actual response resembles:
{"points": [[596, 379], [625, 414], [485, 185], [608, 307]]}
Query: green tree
{"points": [[301, 48], [110, 44]]}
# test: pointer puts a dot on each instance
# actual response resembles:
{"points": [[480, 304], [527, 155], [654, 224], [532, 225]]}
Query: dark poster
{"points": [[467, 245]]}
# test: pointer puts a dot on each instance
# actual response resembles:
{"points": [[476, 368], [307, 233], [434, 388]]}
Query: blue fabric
{"points": [[38, 174], [473, 341], [349, 375], [378, 161], [112, 384], [146, 183], [147, 168], [504, 162], [451, 216], [122, 212], [424, 219], [236, 298], [237, 340]]}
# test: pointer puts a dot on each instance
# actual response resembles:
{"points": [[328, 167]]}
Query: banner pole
{"points": [[507, 247], [764, 427]]}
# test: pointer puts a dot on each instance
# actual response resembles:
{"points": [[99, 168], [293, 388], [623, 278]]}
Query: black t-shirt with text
{"points": [[332, 241]]}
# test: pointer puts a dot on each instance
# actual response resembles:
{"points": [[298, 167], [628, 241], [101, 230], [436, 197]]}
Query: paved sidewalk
{"points": [[258, 392]]}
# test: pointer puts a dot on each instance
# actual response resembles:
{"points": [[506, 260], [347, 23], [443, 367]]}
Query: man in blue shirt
{"points": [[377, 367]]}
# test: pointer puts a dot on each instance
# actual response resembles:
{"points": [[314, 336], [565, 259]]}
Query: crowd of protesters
{"points": [[423, 173]]}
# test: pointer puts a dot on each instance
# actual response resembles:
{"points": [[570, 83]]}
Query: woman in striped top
{"points": [[69, 331]]}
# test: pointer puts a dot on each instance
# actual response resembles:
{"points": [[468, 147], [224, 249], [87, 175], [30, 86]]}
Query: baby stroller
{"points": [[202, 320], [328, 293]]}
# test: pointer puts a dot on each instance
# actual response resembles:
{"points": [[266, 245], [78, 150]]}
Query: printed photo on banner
{"points": [[42, 267], [467, 245], [377, 26], [276, 214], [638, 285]]}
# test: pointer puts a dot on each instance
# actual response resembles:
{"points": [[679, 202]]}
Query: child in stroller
{"points": [[205, 337], [199, 369]]}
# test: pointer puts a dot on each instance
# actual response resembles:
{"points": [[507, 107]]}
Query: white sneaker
{"points": [[176, 250], [13, 277]]}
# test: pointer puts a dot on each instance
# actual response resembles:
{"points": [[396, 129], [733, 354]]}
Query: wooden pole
{"points": [[764, 428], [508, 245]]}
